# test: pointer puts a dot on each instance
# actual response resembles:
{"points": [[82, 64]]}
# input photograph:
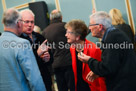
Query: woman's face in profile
{"points": [[70, 35]]}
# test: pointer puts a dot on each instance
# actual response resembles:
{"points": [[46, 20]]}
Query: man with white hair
{"points": [[36, 40], [118, 64], [17, 62]]}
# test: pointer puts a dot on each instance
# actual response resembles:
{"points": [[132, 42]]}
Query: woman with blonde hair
{"points": [[119, 23]]}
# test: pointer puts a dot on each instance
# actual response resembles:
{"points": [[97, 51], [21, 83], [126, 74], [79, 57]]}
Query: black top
{"points": [[81, 84], [127, 30]]}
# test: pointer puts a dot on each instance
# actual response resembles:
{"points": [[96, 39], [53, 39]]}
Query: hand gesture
{"points": [[83, 58], [45, 56], [42, 48], [91, 76]]}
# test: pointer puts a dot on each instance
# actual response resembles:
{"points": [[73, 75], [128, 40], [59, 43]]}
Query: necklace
{"points": [[80, 46], [79, 50]]}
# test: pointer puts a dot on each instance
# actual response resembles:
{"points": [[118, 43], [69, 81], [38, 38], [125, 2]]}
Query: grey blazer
{"points": [[18, 67]]}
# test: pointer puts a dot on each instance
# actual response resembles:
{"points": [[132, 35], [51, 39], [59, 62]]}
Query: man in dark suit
{"points": [[62, 63], [118, 57], [36, 40]]}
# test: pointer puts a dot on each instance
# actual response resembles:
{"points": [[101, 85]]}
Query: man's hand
{"points": [[45, 56], [91, 76], [42, 48], [83, 58]]}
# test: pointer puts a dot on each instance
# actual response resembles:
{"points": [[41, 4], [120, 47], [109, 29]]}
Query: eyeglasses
{"points": [[68, 32], [26, 22], [93, 24]]}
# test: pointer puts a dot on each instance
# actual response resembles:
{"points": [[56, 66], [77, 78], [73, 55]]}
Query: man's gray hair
{"points": [[55, 15], [10, 17], [103, 18], [27, 10]]}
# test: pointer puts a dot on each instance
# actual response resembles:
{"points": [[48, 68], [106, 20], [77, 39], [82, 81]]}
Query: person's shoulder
{"points": [[115, 31], [22, 44], [116, 36], [22, 40], [64, 22], [37, 34], [60, 23], [123, 26], [126, 25]]}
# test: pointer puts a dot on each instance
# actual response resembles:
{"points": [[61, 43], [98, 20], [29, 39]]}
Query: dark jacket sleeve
{"points": [[111, 56]]}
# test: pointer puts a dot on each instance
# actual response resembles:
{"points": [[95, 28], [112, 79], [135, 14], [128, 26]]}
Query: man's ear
{"points": [[18, 24], [100, 27]]}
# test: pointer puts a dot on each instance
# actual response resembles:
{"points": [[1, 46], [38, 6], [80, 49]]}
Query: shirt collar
{"points": [[33, 36], [107, 31]]}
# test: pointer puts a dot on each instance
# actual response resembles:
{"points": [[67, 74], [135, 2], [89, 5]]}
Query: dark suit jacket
{"points": [[55, 33], [118, 64], [38, 39]]}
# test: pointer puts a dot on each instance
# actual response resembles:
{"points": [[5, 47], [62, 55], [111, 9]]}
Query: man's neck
{"points": [[11, 30], [102, 34]]}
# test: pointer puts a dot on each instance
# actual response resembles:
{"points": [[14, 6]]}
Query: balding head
{"points": [[55, 11], [55, 14], [10, 17]]}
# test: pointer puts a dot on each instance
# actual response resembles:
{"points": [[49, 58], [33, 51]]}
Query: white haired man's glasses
{"points": [[93, 24], [27, 22]]}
